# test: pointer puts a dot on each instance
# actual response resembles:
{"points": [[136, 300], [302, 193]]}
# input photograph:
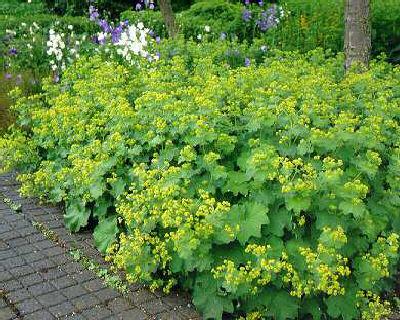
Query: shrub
{"points": [[255, 188]]}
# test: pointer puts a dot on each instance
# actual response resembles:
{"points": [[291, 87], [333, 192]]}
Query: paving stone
{"points": [[107, 294], [6, 313], [85, 301], [29, 306], [31, 279], [118, 305], [12, 285], [94, 285], [133, 313], [13, 262], [52, 251], [41, 288], [154, 307], [45, 244], [43, 264], [171, 315], [62, 309], [19, 295], [40, 315], [64, 282], [32, 257], [53, 273], [97, 313], [5, 276], [61, 259], [141, 296], [51, 299], [22, 271], [84, 276], [74, 291]]}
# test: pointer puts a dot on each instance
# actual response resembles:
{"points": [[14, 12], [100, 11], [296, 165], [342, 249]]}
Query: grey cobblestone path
{"points": [[40, 280]]}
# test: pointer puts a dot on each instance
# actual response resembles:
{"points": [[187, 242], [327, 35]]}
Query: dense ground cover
{"points": [[253, 177], [252, 186]]}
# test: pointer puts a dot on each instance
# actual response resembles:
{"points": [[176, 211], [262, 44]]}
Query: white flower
{"points": [[140, 25], [207, 28], [23, 24], [199, 36], [70, 27], [29, 1]]}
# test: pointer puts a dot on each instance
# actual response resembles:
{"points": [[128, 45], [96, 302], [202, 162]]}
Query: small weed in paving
{"points": [[109, 278], [16, 207]]}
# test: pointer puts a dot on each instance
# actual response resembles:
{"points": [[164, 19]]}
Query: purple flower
{"points": [[138, 7], [151, 6], [158, 39], [8, 76], [94, 14], [12, 52], [246, 16], [247, 2], [247, 62], [56, 78], [116, 34], [105, 26], [260, 3]]}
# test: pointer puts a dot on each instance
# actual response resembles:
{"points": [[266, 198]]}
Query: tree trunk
{"points": [[169, 17], [357, 43]]}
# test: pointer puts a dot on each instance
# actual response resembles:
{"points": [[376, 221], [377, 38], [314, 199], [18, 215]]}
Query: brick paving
{"points": [[40, 280]]}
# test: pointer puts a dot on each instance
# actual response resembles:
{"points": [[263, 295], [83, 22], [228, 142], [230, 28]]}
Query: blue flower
{"points": [[247, 62], [12, 52], [246, 16]]}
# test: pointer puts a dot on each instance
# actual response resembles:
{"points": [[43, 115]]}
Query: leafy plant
{"points": [[254, 187]]}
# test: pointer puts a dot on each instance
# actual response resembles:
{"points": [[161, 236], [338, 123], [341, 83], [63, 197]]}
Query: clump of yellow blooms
{"points": [[325, 273], [373, 308]]}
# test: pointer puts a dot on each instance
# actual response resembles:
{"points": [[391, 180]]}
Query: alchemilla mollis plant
{"points": [[270, 191]]}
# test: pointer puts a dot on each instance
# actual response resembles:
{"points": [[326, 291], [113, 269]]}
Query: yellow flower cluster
{"points": [[325, 273], [373, 308]]}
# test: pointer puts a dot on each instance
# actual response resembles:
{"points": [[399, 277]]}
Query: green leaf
{"points": [[236, 183], [278, 221], [105, 232], [100, 208], [344, 306], [298, 204], [312, 307], [250, 217], [358, 210], [208, 300], [283, 306], [96, 189], [118, 187], [76, 215]]}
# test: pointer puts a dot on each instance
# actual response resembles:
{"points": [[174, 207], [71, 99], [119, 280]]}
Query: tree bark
{"points": [[357, 43], [169, 17]]}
